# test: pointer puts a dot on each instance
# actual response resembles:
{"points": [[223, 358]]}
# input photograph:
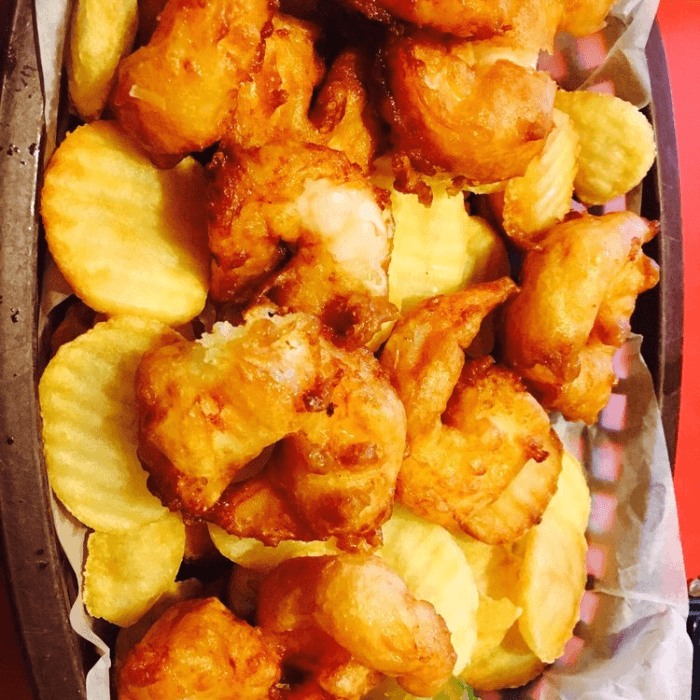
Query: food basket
{"points": [[41, 583]]}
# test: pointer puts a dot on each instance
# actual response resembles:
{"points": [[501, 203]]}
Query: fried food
{"points": [[175, 94], [122, 579], [90, 425], [353, 612], [245, 388], [464, 110], [101, 33], [617, 144], [584, 17], [539, 199], [198, 649], [437, 249], [578, 294], [465, 18], [298, 226], [275, 104], [128, 238]]}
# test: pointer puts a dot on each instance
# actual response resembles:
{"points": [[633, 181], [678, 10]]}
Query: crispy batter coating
{"points": [[207, 409], [199, 650], [465, 18], [344, 620], [297, 225], [459, 107], [174, 94], [584, 17], [578, 293], [473, 429], [275, 103]]}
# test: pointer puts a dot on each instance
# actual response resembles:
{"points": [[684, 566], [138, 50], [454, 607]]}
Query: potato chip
{"points": [[542, 196], [253, 554], [434, 569], [510, 665], [126, 573], [616, 140], [102, 32], [572, 501], [493, 620], [129, 238], [551, 584], [90, 430], [438, 249]]}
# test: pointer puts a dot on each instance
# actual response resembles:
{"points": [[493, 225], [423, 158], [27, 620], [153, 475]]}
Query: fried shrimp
{"points": [[578, 293], [175, 94], [345, 621], [298, 226], [465, 18], [199, 650], [473, 427], [208, 408], [464, 108]]}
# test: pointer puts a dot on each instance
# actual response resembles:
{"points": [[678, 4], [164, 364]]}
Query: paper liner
{"points": [[632, 641]]}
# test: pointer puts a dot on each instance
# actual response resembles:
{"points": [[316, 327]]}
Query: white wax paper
{"points": [[635, 646]]}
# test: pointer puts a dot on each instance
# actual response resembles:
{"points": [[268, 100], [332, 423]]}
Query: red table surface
{"points": [[680, 29]]}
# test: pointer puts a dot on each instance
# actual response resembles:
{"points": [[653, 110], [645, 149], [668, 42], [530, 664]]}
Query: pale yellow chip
{"points": [[540, 198], [551, 584], [126, 573], [129, 238], [572, 500], [494, 618], [102, 32], [510, 665], [90, 425], [253, 554], [435, 569], [616, 140], [584, 17], [423, 554]]}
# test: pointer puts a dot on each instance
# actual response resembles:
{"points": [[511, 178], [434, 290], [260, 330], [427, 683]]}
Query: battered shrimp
{"points": [[578, 293], [464, 108], [345, 621], [208, 408], [472, 427], [297, 225], [175, 94], [199, 650]]}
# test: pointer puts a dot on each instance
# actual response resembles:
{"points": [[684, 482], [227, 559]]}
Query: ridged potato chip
{"points": [[551, 583], [102, 32], [90, 430], [422, 553], [542, 196], [616, 140], [438, 249], [572, 500], [129, 238], [126, 573], [510, 665]]}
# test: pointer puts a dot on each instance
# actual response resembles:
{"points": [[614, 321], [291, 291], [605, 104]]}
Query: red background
{"points": [[680, 29]]}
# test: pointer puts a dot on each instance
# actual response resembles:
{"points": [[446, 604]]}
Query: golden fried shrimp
{"points": [[298, 226], [343, 114], [175, 94], [459, 107], [208, 408], [465, 18], [199, 650], [346, 620], [578, 293], [275, 103], [336, 476]]}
